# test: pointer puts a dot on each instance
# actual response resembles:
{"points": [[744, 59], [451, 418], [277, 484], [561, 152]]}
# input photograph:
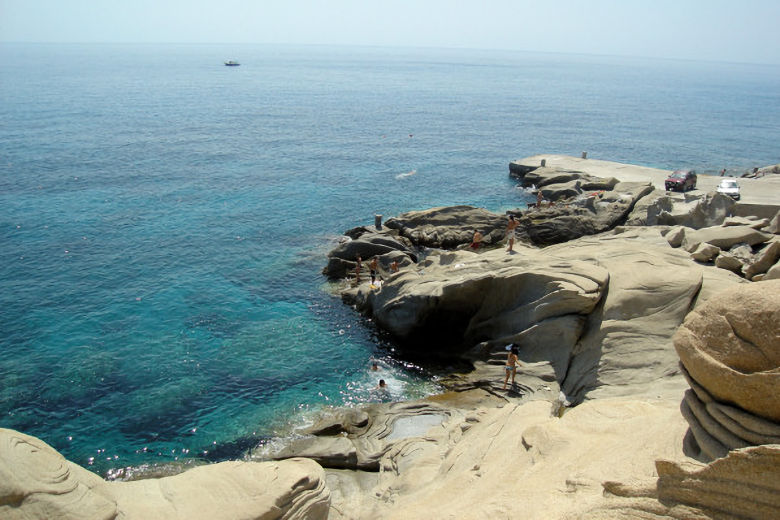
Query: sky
{"points": [[712, 30]]}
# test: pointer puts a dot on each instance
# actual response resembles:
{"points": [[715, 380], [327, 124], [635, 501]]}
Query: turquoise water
{"points": [[164, 219]]}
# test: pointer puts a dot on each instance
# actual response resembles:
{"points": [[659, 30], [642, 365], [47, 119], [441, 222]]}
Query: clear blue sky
{"points": [[721, 30]]}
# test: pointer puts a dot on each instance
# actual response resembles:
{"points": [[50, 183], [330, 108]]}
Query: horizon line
{"points": [[397, 46]]}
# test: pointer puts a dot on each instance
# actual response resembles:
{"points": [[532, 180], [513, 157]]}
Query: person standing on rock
{"points": [[511, 364], [373, 266], [358, 265], [510, 233]]}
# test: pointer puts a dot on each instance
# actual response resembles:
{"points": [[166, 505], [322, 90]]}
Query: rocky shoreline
{"points": [[649, 332]]}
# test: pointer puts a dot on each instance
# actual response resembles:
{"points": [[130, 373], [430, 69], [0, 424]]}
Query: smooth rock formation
{"points": [[730, 349], [36, 482], [724, 237], [461, 298], [516, 461], [755, 223], [729, 262], [773, 273], [705, 253], [744, 485], [551, 302]]}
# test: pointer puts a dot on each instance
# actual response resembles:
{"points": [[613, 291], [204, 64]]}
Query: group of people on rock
{"points": [[373, 269], [511, 225]]}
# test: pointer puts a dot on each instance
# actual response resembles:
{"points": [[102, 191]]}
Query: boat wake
{"points": [[406, 174]]}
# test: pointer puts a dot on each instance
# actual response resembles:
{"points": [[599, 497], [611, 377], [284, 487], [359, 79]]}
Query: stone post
{"points": [[544, 163], [378, 221], [584, 155]]}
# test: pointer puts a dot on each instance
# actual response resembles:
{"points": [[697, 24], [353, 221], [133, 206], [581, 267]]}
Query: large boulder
{"points": [[686, 209], [724, 237], [37, 482], [342, 258], [457, 299], [449, 227], [765, 259], [587, 215], [730, 351]]}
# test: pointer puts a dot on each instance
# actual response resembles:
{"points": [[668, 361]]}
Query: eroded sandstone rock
{"points": [[724, 237], [730, 350], [36, 482], [745, 484]]}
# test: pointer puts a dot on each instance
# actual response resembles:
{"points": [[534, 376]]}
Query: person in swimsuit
{"points": [[373, 266], [511, 364], [510, 233]]}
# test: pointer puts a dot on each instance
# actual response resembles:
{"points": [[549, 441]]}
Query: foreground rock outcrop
{"points": [[730, 349], [744, 485], [36, 482]]}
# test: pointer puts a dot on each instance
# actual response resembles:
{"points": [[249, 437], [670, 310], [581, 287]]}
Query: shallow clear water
{"points": [[164, 218]]}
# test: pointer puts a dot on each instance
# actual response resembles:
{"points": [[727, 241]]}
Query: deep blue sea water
{"points": [[164, 218]]}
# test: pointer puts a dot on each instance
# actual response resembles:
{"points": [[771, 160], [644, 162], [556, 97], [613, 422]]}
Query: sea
{"points": [[164, 219]]}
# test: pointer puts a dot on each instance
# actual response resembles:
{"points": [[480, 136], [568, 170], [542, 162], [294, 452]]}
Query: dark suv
{"points": [[681, 180]]}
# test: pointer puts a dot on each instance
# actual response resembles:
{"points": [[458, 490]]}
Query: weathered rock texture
{"points": [[36, 482], [583, 214], [449, 227], [366, 244], [730, 349], [507, 459], [600, 310], [743, 485]]}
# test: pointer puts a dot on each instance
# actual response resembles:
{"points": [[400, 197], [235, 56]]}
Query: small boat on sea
{"points": [[231, 63]]}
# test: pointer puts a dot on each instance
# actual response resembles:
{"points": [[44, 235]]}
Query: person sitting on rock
{"points": [[476, 242]]}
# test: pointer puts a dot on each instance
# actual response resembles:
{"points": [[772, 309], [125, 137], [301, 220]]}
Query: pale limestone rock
{"points": [[729, 262], [724, 237], [765, 259], [519, 462], [731, 347], [36, 482], [291, 489], [705, 253], [755, 223], [676, 235], [745, 485], [542, 299], [773, 273], [774, 224]]}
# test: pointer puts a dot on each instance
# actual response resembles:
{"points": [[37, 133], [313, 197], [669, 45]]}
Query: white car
{"points": [[729, 187]]}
